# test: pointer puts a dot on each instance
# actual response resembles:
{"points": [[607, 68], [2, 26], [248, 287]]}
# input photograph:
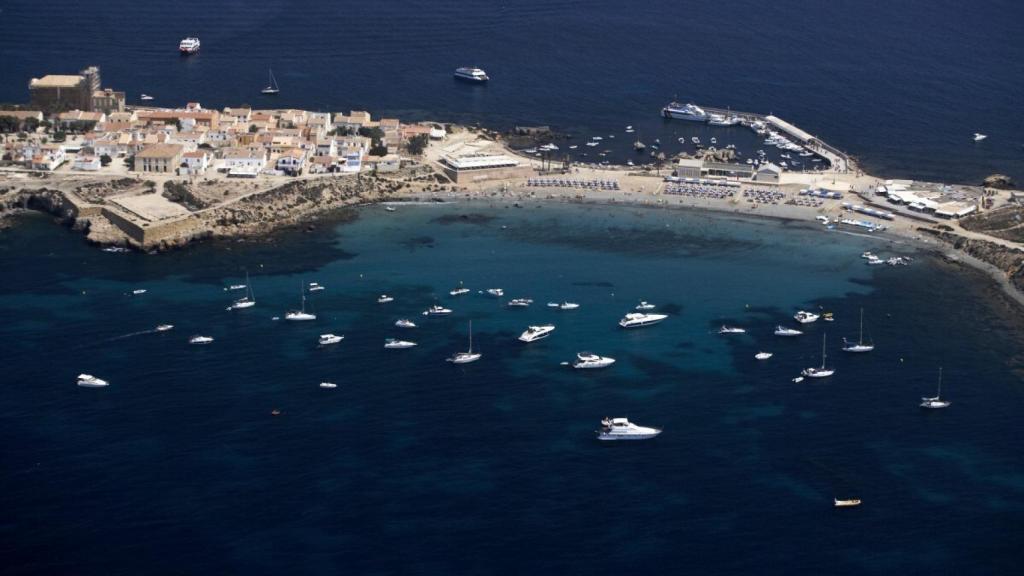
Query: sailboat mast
{"points": [[861, 340], [471, 336], [938, 393], [823, 336]]}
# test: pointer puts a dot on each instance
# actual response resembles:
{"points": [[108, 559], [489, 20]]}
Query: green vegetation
{"points": [[417, 144], [105, 160]]}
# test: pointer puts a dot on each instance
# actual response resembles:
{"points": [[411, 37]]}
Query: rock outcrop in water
{"points": [[1000, 181], [1010, 261]]}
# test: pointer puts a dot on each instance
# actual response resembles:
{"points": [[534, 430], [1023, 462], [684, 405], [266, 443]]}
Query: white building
{"points": [[243, 161], [195, 163], [87, 163]]}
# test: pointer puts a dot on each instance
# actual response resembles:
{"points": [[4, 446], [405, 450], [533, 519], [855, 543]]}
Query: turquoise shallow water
{"points": [[413, 465]]}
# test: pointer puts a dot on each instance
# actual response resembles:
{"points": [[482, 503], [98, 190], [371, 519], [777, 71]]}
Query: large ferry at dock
{"points": [[679, 111], [189, 45]]}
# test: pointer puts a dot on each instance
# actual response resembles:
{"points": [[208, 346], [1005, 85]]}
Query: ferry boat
{"points": [[90, 381], [679, 111], [189, 45], [588, 360], [470, 74], [328, 339], [637, 320], [534, 333], [623, 429]]}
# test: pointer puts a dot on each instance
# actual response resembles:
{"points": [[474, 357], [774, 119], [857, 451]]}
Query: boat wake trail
{"points": [[130, 335]]}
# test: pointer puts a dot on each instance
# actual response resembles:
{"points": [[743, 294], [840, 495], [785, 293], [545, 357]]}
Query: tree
{"points": [[8, 124], [253, 129], [378, 149], [375, 133], [417, 144], [105, 160]]}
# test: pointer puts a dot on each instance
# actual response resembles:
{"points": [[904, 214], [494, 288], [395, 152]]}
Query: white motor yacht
{"points": [[384, 299], [90, 381], [405, 323], [586, 360], [327, 339], [784, 331], [623, 429], [189, 45], [846, 503], [804, 317], [520, 302], [763, 355], [935, 402], [459, 291], [568, 306], [471, 74], [145, 97], [823, 372], [164, 327], [637, 320], [200, 340], [468, 356], [645, 305], [235, 287], [436, 310], [534, 333], [731, 330], [328, 385], [394, 343], [496, 292], [978, 137], [139, 291]]}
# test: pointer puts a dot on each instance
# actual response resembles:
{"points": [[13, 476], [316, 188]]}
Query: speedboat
{"points": [[846, 503], [394, 343], [164, 327], [139, 291], [145, 97], [823, 372], [200, 340], [623, 429], [328, 385], [731, 330], [586, 360], [645, 305], [798, 379], [436, 310], [314, 287], [327, 339], [763, 355], [867, 255], [805, 317], [520, 302], [783, 331], [496, 292], [553, 304], [978, 137], [389, 208], [459, 291], [90, 381], [568, 306], [404, 323], [534, 333], [637, 320], [384, 299], [235, 287]]}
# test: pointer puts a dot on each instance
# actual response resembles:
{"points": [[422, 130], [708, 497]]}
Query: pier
{"points": [[838, 160]]}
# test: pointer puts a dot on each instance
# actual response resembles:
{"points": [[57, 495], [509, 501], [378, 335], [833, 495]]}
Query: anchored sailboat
{"points": [[859, 346], [300, 314], [936, 401], [822, 372], [469, 356], [272, 87], [247, 301]]}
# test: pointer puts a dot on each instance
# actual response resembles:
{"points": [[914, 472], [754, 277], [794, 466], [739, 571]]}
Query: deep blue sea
{"points": [[901, 85], [416, 466]]}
